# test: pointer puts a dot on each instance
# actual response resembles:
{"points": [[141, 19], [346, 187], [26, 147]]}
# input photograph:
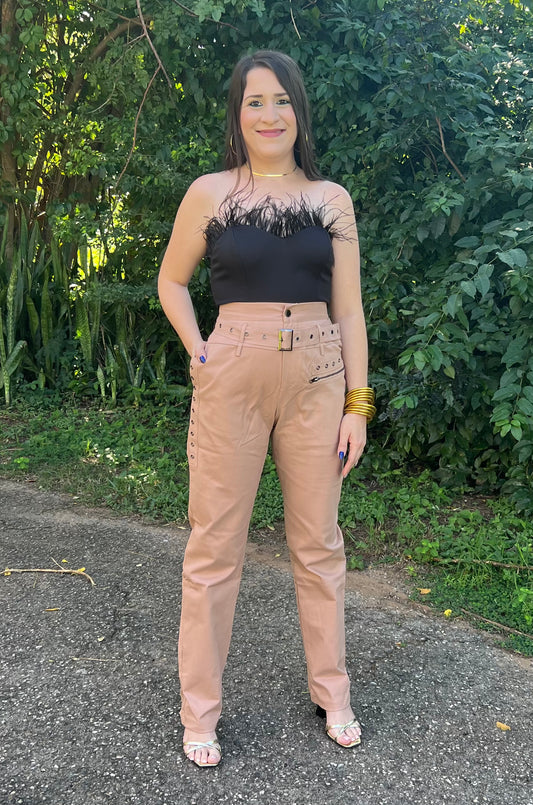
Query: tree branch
{"points": [[98, 50], [154, 51], [495, 623], [137, 116], [294, 23], [108, 11], [192, 13], [8, 163], [75, 88], [448, 157]]}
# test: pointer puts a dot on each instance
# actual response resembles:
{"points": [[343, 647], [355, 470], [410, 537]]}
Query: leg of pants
{"points": [[245, 392], [310, 475], [226, 457]]}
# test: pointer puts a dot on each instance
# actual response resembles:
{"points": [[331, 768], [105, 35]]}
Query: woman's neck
{"points": [[272, 170]]}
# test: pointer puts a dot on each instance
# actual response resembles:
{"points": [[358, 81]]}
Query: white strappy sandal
{"points": [[189, 747], [340, 729]]}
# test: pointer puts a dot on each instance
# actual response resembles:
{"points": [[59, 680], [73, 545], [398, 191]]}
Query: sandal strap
{"points": [[192, 746], [343, 727]]}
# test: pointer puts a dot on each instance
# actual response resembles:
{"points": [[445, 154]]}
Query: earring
{"points": [[306, 138]]}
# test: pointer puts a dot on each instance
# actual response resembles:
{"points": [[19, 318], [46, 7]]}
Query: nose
{"points": [[270, 112]]}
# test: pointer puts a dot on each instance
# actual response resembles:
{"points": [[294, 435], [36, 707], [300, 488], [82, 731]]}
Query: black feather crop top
{"points": [[270, 253]]}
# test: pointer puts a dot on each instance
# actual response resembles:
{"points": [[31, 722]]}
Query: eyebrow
{"points": [[276, 95]]}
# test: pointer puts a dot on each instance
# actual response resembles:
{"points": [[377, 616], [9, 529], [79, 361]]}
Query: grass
{"points": [[474, 555]]}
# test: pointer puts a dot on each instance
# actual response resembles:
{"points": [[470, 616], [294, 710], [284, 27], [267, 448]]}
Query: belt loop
{"points": [[320, 339], [241, 339]]}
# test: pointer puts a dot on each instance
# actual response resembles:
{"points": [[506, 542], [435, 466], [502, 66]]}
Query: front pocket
{"points": [[326, 376]]}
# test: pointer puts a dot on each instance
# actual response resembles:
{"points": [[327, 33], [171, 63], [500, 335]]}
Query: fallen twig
{"points": [[495, 623], [92, 659], [483, 562], [9, 570]]}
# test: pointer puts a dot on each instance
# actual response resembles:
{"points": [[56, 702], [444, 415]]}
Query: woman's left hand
{"points": [[352, 440]]}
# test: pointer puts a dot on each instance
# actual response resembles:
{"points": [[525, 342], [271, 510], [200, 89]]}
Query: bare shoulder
{"points": [[337, 205], [213, 182], [207, 192], [336, 196]]}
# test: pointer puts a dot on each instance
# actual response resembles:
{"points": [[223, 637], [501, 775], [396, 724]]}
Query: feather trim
{"points": [[282, 220]]}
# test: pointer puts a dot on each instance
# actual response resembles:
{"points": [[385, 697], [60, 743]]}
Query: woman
{"points": [[282, 244]]}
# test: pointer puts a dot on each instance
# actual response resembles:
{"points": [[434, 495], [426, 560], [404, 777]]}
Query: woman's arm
{"points": [[347, 311], [184, 251]]}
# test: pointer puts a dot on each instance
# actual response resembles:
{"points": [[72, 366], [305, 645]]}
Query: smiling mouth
{"points": [[271, 132]]}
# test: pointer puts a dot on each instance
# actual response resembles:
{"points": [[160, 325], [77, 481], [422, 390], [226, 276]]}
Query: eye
{"points": [[255, 104], [284, 102]]}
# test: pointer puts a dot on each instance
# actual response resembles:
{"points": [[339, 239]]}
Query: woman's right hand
{"points": [[200, 351]]}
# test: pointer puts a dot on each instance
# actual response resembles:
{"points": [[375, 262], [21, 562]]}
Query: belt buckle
{"points": [[281, 340]]}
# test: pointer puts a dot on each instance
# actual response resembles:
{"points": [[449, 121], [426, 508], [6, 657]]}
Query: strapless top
{"points": [[270, 253]]}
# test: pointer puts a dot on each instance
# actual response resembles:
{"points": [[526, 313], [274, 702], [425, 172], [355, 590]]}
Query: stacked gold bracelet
{"points": [[361, 401]]}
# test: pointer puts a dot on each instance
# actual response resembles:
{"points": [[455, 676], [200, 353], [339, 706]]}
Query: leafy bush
{"points": [[422, 110]]}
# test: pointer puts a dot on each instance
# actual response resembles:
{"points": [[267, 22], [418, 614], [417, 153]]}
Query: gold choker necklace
{"points": [[273, 175]]}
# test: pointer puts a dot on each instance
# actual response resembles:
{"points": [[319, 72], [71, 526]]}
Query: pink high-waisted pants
{"points": [[250, 391]]}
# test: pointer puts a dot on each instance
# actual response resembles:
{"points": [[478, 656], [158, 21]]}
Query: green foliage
{"points": [[475, 558], [500, 597], [472, 554], [130, 459], [80, 332], [422, 109]]}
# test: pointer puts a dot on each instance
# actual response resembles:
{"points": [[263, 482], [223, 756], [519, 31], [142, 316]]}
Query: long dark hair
{"points": [[289, 76]]}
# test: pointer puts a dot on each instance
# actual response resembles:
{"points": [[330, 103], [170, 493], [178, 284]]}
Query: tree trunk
{"points": [[9, 168]]}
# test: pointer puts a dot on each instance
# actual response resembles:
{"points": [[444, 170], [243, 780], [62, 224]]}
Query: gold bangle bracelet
{"points": [[368, 411], [360, 394], [356, 400], [361, 401], [350, 397]]}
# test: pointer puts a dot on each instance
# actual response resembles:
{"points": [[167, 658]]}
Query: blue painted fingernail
{"points": [[341, 455], [202, 358]]}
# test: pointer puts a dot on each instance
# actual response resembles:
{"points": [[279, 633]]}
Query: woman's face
{"points": [[268, 121]]}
